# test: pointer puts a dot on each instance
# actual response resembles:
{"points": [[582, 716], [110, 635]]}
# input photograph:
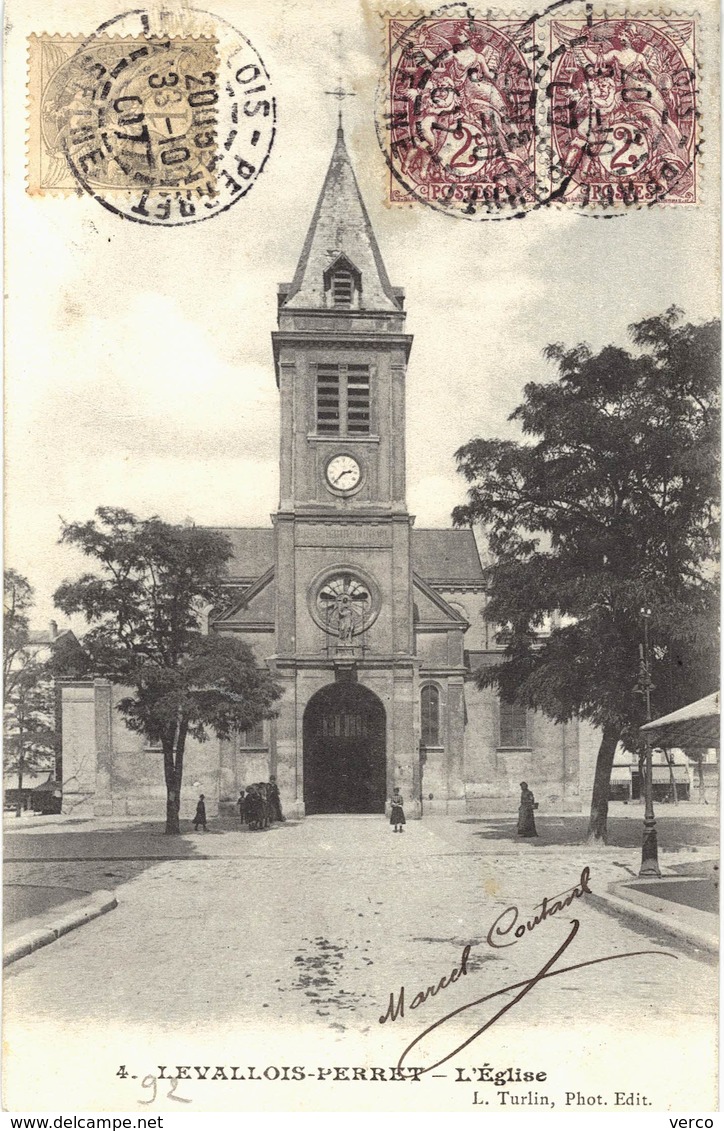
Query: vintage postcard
{"points": [[361, 516]]}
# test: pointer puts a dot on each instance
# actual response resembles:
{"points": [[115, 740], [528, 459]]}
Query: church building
{"points": [[373, 626]]}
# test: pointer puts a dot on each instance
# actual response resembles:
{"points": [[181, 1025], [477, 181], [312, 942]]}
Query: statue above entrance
{"points": [[344, 603]]}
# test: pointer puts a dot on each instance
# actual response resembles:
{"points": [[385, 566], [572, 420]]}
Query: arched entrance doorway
{"points": [[345, 761]]}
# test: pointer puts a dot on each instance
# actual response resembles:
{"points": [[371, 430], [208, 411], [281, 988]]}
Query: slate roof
{"points": [[446, 556], [341, 225], [443, 557], [50, 635], [253, 550]]}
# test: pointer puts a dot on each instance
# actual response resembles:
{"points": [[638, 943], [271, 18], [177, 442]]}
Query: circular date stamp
{"points": [[485, 116], [163, 129]]}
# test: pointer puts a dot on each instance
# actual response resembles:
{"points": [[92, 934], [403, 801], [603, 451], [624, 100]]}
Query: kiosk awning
{"points": [[697, 724]]}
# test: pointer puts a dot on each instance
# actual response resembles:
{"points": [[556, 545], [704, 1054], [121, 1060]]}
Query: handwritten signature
{"points": [[550, 905], [502, 927]]}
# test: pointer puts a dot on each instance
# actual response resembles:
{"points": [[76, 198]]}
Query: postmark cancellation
{"points": [[158, 129], [121, 113], [482, 113]]}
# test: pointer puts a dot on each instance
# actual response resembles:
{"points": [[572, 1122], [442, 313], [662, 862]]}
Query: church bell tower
{"points": [[343, 576], [340, 355]]}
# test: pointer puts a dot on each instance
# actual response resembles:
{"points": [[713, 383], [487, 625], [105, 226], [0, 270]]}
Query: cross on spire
{"points": [[340, 93]]}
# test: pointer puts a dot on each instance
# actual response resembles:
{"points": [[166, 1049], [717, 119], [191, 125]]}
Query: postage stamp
{"points": [[622, 100], [118, 114], [461, 123], [158, 129], [482, 116]]}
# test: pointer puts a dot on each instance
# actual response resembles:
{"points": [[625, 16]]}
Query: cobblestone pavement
{"points": [[306, 931]]}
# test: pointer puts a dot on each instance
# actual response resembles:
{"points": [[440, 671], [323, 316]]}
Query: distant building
{"points": [[41, 793], [41, 641], [373, 626], [40, 789], [671, 776]]}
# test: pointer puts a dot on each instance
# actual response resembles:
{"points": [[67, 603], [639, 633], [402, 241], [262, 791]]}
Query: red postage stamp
{"points": [[461, 118], [622, 110], [486, 116]]}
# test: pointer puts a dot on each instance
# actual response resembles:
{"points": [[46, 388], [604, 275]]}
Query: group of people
{"points": [[260, 805]]}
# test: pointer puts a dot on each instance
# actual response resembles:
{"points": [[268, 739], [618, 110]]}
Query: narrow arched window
{"points": [[513, 724], [253, 736], [430, 715]]}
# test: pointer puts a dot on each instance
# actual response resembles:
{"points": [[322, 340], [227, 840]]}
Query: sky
{"points": [[138, 359]]}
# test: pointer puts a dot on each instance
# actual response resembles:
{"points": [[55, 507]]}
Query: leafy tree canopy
{"points": [[610, 506], [17, 603], [28, 697], [154, 582], [144, 605]]}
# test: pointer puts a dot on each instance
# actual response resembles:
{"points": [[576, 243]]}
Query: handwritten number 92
{"points": [[152, 1082]]}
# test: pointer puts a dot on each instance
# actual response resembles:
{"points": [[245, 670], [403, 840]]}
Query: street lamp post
{"points": [[650, 845]]}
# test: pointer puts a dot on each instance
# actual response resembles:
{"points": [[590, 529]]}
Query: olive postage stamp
{"points": [[161, 129], [117, 114]]}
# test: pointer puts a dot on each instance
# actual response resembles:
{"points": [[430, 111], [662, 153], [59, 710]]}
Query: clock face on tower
{"points": [[343, 473]]}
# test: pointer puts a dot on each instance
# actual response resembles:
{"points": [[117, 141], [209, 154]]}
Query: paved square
{"points": [[288, 943]]}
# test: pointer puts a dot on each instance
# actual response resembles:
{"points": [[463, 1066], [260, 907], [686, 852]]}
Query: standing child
{"points": [[397, 813], [200, 815]]}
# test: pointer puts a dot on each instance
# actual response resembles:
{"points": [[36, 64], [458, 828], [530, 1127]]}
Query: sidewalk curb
{"points": [[630, 905], [43, 929]]}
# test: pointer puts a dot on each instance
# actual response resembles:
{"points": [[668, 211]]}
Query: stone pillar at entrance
{"points": [[104, 748], [79, 747], [288, 747], [404, 757], [456, 714]]}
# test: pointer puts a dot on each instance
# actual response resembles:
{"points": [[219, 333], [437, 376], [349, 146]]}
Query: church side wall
{"points": [[138, 788], [78, 705], [553, 759], [550, 763], [109, 770]]}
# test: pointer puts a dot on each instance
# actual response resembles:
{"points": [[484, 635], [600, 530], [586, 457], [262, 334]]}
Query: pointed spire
{"points": [[341, 226]]}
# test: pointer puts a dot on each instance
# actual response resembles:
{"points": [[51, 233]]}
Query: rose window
{"points": [[344, 603]]}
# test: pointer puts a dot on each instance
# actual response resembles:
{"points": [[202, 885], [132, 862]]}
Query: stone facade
{"points": [[373, 627]]}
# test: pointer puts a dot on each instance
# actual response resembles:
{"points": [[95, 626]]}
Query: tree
{"points": [[144, 607], [17, 603], [28, 700], [609, 510]]}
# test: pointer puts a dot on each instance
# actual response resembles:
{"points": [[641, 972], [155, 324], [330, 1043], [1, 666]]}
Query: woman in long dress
{"points": [[397, 813], [526, 820]]}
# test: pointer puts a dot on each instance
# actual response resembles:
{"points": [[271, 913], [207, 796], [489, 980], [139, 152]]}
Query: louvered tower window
{"points": [[342, 284], [343, 399], [358, 398], [342, 289], [328, 399]]}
